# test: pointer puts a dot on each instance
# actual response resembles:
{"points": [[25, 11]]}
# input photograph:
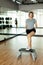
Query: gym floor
{"points": [[9, 50]]}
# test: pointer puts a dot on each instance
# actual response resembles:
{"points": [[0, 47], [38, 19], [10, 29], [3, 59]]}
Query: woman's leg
{"points": [[29, 39]]}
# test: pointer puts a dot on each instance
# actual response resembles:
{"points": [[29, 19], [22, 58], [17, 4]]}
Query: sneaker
{"points": [[27, 48]]}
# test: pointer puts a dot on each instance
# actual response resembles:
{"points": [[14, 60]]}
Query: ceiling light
{"points": [[34, 1], [18, 2], [13, 0]]}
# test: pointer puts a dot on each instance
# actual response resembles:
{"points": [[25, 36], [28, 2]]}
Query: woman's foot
{"points": [[28, 48]]}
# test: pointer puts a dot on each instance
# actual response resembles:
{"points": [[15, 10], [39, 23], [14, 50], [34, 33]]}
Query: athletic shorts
{"points": [[30, 30]]}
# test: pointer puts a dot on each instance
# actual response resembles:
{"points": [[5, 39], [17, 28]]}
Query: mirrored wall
{"points": [[8, 18]]}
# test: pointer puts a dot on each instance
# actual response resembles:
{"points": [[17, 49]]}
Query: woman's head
{"points": [[31, 14]]}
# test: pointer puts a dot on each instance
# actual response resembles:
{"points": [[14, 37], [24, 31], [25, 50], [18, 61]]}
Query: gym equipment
{"points": [[22, 50], [31, 51]]}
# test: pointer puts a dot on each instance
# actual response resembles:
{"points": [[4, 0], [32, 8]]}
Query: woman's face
{"points": [[31, 15]]}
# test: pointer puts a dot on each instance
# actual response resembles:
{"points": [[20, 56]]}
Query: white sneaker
{"points": [[27, 48]]}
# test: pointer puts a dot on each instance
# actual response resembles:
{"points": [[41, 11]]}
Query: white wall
{"points": [[30, 7]]}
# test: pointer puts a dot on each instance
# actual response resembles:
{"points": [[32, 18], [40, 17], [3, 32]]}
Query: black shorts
{"points": [[30, 30]]}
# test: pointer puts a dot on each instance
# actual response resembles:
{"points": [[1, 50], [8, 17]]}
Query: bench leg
{"points": [[34, 56], [20, 55]]}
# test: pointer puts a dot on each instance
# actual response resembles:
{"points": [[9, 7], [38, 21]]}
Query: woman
{"points": [[31, 24]]}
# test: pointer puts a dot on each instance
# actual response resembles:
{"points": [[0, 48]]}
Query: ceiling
{"points": [[24, 2]]}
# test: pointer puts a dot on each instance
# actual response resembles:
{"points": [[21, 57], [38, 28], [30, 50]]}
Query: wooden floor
{"points": [[8, 56]]}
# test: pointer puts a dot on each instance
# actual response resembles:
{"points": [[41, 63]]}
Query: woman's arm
{"points": [[36, 24], [26, 26]]}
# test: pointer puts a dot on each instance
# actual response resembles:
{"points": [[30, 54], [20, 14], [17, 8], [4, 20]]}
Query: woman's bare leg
{"points": [[29, 39]]}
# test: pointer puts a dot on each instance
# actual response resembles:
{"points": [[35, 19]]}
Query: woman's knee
{"points": [[32, 33], [29, 36]]}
